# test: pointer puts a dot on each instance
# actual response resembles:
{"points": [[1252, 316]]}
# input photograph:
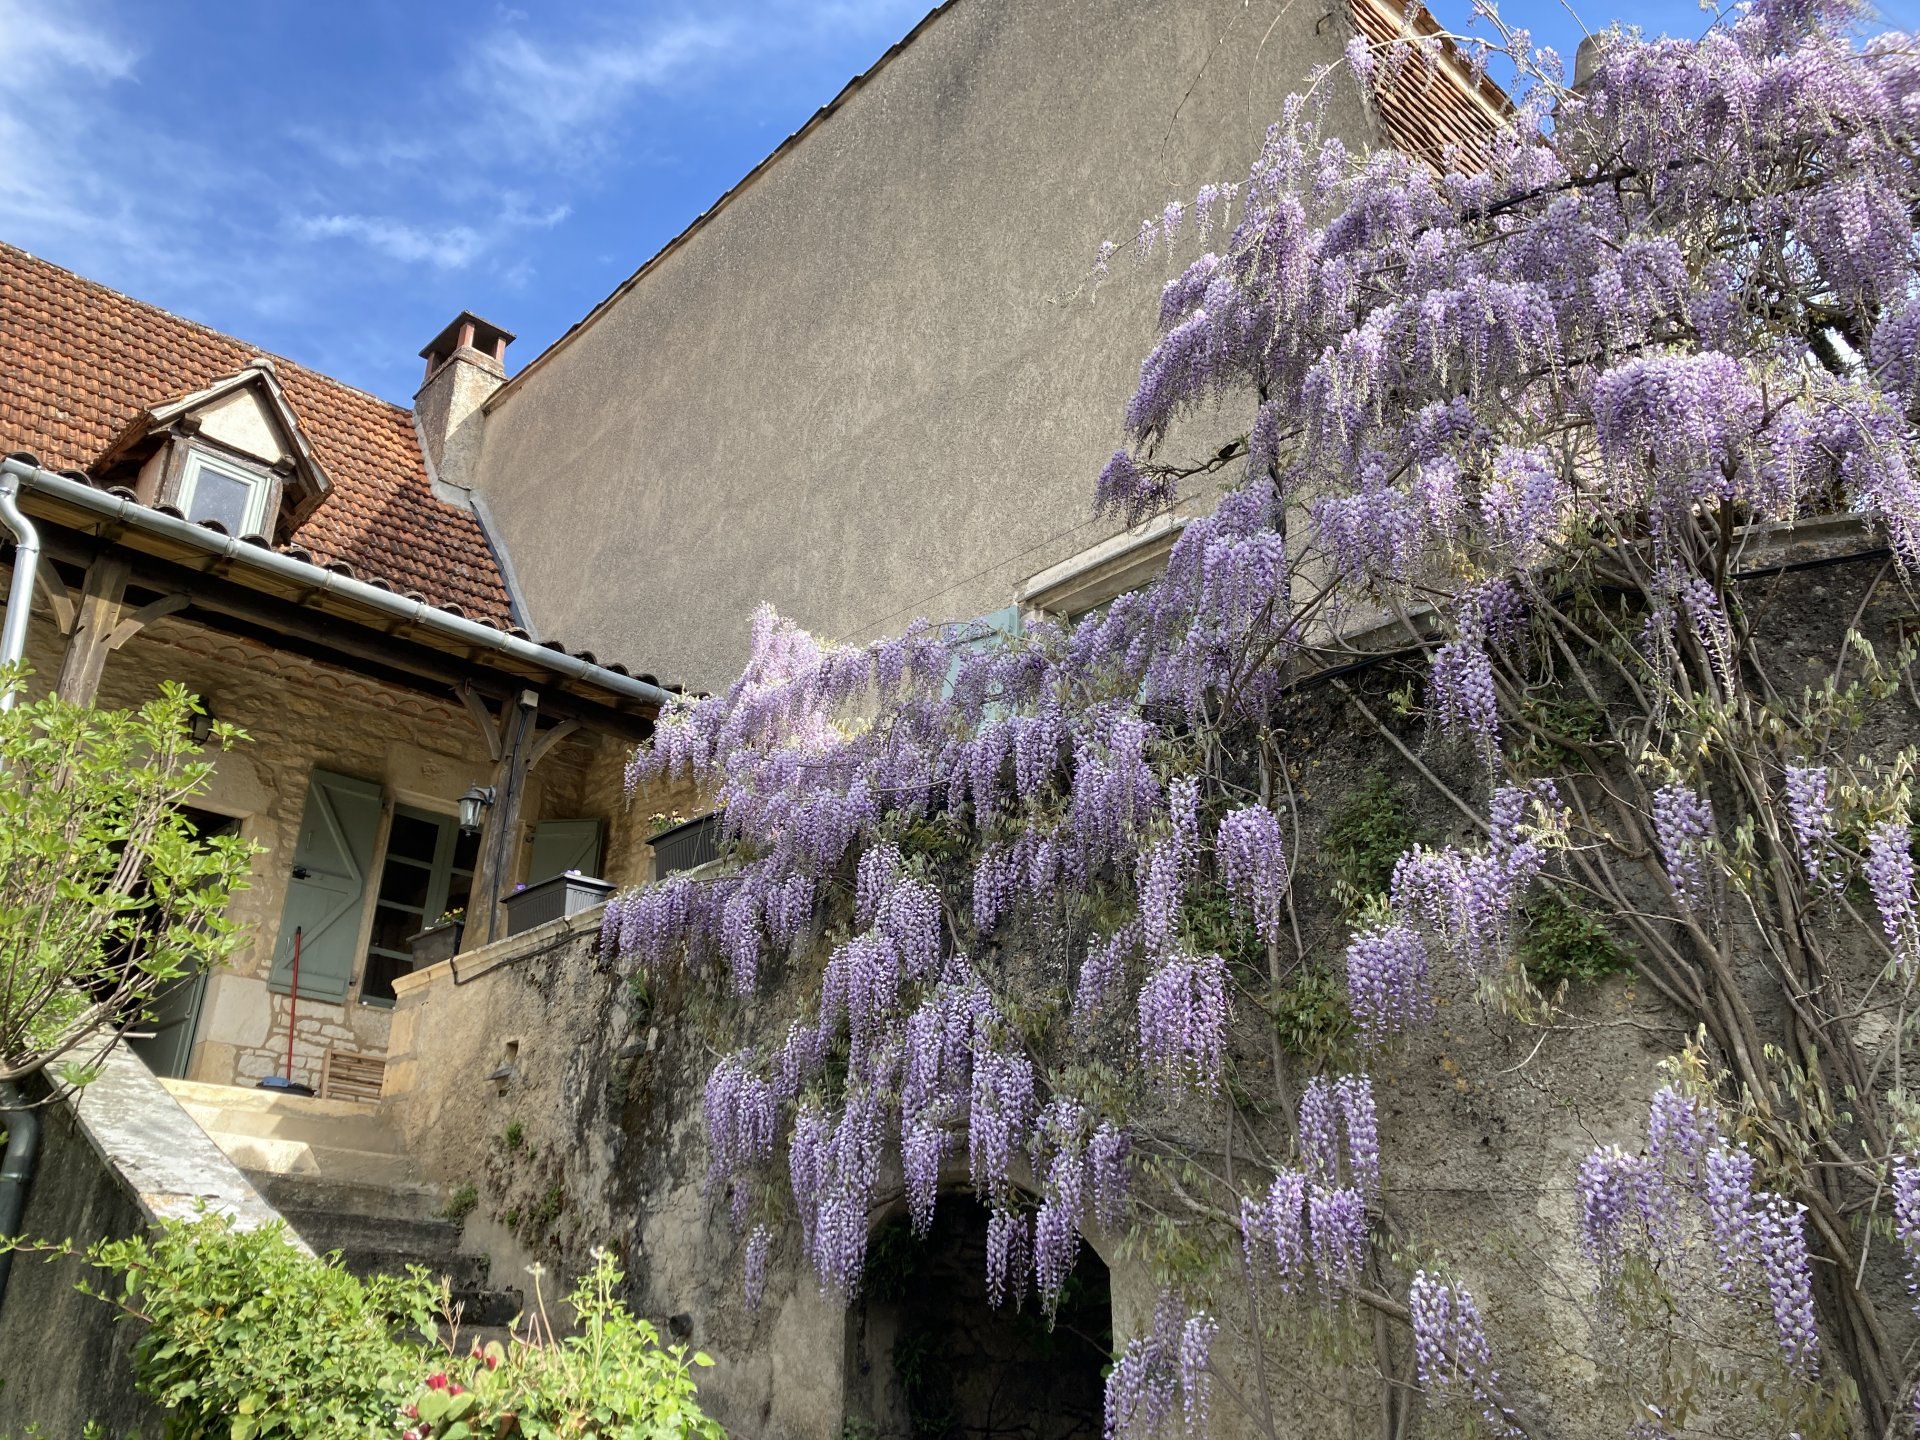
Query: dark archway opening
{"points": [[929, 1359]]}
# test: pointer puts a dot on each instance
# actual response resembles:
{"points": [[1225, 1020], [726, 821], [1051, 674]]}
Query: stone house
{"points": [[280, 543]]}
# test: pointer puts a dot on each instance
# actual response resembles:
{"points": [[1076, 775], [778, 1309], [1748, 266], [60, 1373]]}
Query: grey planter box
{"points": [[686, 846], [554, 899], [436, 943]]}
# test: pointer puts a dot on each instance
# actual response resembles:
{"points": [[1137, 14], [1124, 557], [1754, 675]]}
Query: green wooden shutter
{"points": [[332, 865], [563, 845]]}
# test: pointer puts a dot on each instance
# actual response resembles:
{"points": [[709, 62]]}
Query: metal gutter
{"points": [[26, 567], [17, 472]]}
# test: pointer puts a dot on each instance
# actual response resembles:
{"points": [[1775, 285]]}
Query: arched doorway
{"points": [[929, 1359]]}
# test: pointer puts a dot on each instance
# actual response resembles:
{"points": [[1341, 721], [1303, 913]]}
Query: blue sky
{"points": [[334, 181]]}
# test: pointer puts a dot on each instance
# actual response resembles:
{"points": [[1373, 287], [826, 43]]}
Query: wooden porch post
{"points": [[95, 619], [500, 833], [99, 624]]}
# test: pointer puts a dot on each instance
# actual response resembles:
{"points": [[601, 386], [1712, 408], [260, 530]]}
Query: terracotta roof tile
{"points": [[78, 361]]}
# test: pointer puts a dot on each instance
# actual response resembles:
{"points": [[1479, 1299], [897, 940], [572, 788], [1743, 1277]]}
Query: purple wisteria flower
{"points": [[1162, 1373], [1451, 1353], [1683, 826], [1905, 1184], [1252, 854], [1889, 871], [1388, 990], [1337, 1225], [1183, 1021], [1009, 1257], [1464, 698], [1319, 1125], [1810, 812], [754, 1275]]}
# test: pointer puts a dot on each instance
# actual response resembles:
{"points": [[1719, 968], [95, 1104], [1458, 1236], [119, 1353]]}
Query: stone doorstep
{"points": [[247, 1098], [366, 1133]]}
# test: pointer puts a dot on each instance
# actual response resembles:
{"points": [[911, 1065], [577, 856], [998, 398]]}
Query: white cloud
{"points": [[64, 41], [549, 94], [452, 247], [444, 247]]}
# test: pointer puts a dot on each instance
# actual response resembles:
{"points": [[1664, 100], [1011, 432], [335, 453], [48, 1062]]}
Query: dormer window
{"points": [[232, 454], [225, 492]]}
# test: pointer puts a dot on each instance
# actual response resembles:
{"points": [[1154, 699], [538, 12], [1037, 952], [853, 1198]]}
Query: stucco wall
{"points": [[299, 715], [876, 384]]}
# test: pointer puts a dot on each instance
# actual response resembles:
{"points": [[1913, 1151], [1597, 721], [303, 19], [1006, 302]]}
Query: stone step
{"points": [[238, 1098], [264, 1154], [315, 1190], [331, 1230], [467, 1274], [337, 1132]]}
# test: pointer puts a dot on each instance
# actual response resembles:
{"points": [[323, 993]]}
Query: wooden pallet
{"points": [[347, 1076]]}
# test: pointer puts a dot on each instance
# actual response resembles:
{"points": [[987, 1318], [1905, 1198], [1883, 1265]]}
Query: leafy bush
{"points": [[107, 892], [1565, 942], [612, 1379], [249, 1338]]}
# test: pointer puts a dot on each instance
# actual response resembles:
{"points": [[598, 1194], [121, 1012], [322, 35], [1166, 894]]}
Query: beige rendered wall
{"points": [[875, 384], [300, 715]]}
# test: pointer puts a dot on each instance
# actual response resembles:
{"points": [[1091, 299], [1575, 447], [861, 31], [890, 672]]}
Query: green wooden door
{"points": [[327, 889], [563, 845]]}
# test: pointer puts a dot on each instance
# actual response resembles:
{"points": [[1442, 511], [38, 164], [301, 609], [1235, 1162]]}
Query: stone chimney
{"points": [[466, 362]]}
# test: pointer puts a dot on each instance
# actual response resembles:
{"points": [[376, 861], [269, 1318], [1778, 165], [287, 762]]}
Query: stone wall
{"points": [[593, 1136], [596, 1139], [111, 1162]]}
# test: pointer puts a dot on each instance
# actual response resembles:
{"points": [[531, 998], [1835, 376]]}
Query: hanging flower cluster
{"points": [[1451, 1353], [1163, 1375], [1692, 1182]]}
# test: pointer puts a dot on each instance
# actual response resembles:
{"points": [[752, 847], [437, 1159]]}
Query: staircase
{"points": [[338, 1173]]}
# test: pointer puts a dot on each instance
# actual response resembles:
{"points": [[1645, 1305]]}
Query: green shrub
{"points": [[612, 1378], [1561, 941], [249, 1338], [108, 893], [461, 1203], [1366, 836]]}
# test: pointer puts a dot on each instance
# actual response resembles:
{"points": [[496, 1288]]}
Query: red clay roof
{"points": [[78, 361]]}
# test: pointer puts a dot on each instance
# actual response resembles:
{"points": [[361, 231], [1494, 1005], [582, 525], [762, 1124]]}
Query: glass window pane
{"points": [[393, 928], [405, 884], [466, 850], [382, 970], [459, 891], [214, 496], [416, 837]]}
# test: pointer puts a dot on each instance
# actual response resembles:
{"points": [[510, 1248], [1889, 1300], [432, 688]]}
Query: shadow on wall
{"points": [[928, 1358]]}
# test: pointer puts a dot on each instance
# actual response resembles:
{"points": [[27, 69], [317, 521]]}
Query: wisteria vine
{"points": [[1521, 419]]}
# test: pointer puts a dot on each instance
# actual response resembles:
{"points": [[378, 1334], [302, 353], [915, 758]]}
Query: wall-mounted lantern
{"points": [[473, 804]]}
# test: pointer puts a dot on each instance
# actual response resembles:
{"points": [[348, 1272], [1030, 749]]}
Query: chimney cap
{"points": [[468, 329]]}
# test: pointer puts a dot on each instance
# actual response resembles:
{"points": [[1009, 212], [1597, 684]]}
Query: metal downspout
{"points": [[21, 1120], [26, 567], [16, 1169]]}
